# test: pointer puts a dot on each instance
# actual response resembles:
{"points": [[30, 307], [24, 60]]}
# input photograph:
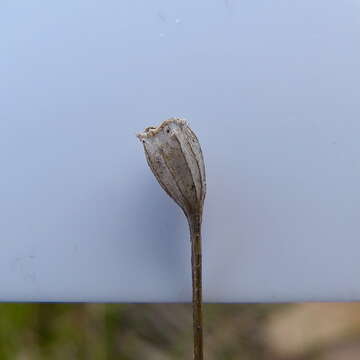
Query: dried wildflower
{"points": [[174, 155]]}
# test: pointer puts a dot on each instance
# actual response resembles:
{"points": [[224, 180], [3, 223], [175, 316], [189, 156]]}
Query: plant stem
{"points": [[195, 236]]}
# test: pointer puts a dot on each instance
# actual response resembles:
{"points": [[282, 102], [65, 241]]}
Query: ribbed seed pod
{"points": [[174, 155]]}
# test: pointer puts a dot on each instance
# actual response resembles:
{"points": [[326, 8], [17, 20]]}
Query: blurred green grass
{"points": [[309, 331], [126, 331]]}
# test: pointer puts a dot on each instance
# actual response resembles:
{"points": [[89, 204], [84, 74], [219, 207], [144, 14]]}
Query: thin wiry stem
{"points": [[195, 235]]}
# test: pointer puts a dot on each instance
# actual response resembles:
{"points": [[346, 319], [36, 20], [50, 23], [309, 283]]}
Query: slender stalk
{"points": [[195, 236]]}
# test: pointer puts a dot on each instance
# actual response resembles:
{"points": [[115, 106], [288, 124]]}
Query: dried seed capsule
{"points": [[174, 155]]}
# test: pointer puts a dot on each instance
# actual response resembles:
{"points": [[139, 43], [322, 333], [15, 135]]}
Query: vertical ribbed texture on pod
{"points": [[174, 155]]}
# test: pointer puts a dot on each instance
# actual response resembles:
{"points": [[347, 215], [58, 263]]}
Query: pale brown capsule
{"points": [[174, 155]]}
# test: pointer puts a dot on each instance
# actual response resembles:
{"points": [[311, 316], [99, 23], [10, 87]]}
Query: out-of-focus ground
{"points": [[324, 331]]}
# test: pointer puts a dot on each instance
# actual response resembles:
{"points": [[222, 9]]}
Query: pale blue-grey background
{"points": [[270, 87]]}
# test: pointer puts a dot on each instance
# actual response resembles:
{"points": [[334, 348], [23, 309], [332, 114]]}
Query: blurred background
{"points": [[325, 331]]}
